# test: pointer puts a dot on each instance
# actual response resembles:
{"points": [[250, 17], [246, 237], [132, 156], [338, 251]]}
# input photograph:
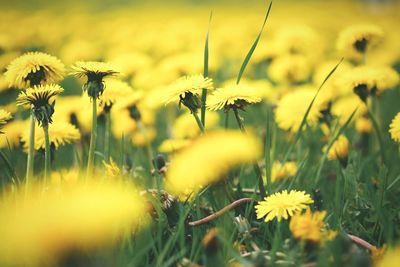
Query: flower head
{"points": [[12, 133], [282, 205], [34, 68], [290, 69], [358, 39], [187, 90], [308, 226], [4, 117], [281, 171], [394, 128], [339, 150], [236, 96], [196, 166], [95, 72], [60, 133], [41, 98], [116, 91]]}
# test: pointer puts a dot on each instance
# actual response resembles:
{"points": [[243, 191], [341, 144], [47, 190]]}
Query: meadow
{"points": [[188, 133]]}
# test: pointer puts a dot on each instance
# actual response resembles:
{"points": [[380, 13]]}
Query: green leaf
{"points": [[205, 74]]}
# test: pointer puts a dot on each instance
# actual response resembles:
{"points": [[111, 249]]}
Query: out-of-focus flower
{"points": [[345, 106], [282, 205], [196, 166], [5, 116], [293, 107], [308, 226], [281, 171], [394, 128], [173, 145], [116, 90], [390, 259], [339, 150], [185, 127], [40, 228], [34, 68], [142, 137], [290, 69], [64, 177], [356, 40], [60, 133], [12, 133], [237, 96], [363, 125], [112, 168]]}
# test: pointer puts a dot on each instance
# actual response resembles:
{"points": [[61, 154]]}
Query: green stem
{"points": [[226, 120], [31, 150], [201, 127], [46, 153], [256, 167], [378, 134], [93, 137], [107, 127]]}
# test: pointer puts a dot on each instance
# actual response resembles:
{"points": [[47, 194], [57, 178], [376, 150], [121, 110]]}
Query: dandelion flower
{"points": [[208, 158], [282, 205], [112, 169], [173, 145], [390, 259], [34, 68], [308, 226], [144, 136], [38, 228], [290, 69], [345, 106], [188, 90], [394, 128], [370, 80], [41, 98], [293, 106], [95, 72], [60, 133], [236, 96], [116, 90], [339, 150], [356, 40], [281, 171], [185, 127], [4, 117], [363, 125], [65, 177], [12, 133]]}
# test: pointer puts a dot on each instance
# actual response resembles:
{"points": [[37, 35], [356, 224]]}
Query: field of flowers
{"points": [[200, 133]]}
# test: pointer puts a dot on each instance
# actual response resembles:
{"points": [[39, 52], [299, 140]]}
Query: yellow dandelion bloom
{"points": [[68, 112], [358, 39], [208, 158], [339, 149], [144, 137], [293, 106], [236, 96], [390, 259], [394, 128], [187, 90], [60, 133], [93, 69], [363, 125], [173, 145], [34, 68], [116, 90], [370, 80], [345, 106], [282, 205], [122, 123], [290, 69], [12, 133], [39, 96], [281, 171], [112, 169], [39, 228], [4, 117], [65, 177], [185, 127], [308, 226]]}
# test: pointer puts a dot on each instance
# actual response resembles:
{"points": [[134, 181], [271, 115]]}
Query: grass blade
{"points": [[253, 47], [205, 74]]}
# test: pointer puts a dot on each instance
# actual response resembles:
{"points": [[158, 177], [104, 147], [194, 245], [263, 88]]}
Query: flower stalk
{"points": [[47, 152], [93, 138]]}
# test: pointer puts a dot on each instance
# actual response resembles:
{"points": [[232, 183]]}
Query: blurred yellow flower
{"points": [[65, 177], [12, 133], [112, 169], [363, 125], [208, 158], [116, 91], [39, 228], [290, 69], [34, 68], [394, 128], [236, 96], [185, 127], [308, 226], [390, 259], [339, 149], [282, 204], [281, 171], [345, 106], [142, 137], [5, 116], [60, 133], [358, 39], [293, 106], [173, 145]]}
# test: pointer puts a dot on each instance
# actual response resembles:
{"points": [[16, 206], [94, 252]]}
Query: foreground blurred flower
{"points": [[282, 205], [281, 171], [34, 68], [60, 133], [4, 117], [394, 129], [41, 228], [173, 145], [308, 226], [236, 96], [356, 40], [196, 166], [390, 259], [95, 72], [12, 133]]}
